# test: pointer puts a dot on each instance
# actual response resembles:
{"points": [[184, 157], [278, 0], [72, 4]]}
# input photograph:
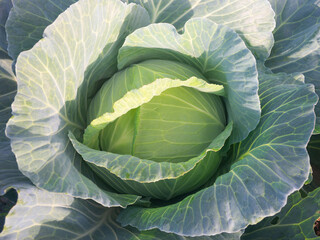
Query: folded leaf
{"points": [[244, 16]]}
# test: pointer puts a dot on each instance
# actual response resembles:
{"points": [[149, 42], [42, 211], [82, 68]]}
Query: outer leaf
{"points": [[158, 235], [10, 176], [253, 20], [271, 163], [53, 81], [297, 41], [27, 21], [46, 215], [161, 180], [294, 221], [216, 51], [5, 7]]}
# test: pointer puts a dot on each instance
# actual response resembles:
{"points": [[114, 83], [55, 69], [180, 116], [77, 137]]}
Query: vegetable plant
{"points": [[156, 119]]}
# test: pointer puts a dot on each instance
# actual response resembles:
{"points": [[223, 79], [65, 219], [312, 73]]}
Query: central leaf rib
{"points": [[135, 131]]}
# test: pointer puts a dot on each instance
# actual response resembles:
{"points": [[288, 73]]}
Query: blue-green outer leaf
{"points": [[39, 214], [270, 164], [47, 215], [294, 221], [5, 7], [253, 20], [297, 42], [27, 21], [10, 176], [53, 81]]}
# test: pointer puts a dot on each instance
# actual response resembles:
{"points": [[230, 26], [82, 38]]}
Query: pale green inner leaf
{"points": [[137, 97], [174, 126]]}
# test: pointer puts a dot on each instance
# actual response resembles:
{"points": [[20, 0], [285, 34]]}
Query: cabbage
{"points": [[155, 119]]}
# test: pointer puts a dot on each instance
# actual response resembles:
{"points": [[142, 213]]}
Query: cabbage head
{"points": [[154, 119]]}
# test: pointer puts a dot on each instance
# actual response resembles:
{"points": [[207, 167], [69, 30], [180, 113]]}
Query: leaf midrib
{"points": [[136, 125]]}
